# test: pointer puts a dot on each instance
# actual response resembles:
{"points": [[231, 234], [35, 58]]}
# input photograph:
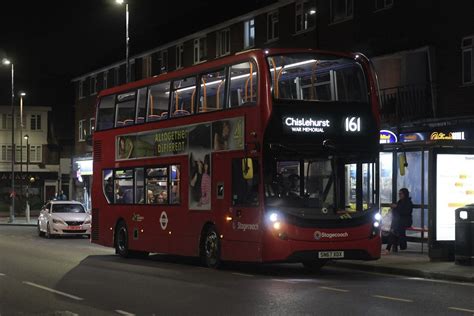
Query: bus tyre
{"points": [[313, 266], [211, 248], [121, 240]]}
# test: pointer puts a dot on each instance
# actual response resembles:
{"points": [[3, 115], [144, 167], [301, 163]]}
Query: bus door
{"points": [[237, 183]]}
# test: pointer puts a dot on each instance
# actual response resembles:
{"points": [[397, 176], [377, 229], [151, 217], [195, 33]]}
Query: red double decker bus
{"points": [[263, 156]]}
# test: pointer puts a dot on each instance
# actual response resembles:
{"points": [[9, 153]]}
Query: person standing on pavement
{"points": [[403, 210]]}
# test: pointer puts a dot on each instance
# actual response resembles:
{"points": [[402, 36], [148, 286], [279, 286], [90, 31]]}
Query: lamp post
{"points": [[7, 62], [27, 207], [127, 40], [21, 94]]}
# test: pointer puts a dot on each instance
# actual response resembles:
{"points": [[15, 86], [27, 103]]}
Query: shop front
{"points": [[82, 180], [437, 167], [38, 187]]}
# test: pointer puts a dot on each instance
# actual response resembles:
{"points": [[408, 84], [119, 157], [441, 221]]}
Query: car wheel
{"points": [[211, 248], [313, 266], [40, 233]]}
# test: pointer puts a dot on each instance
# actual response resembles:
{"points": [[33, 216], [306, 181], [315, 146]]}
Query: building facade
{"points": [[37, 169]]}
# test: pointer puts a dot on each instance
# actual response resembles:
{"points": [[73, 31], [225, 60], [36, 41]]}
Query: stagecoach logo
{"points": [[244, 227], [163, 220], [318, 235]]}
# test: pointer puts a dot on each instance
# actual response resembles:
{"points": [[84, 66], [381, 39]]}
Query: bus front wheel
{"points": [[211, 248], [121, 240]]}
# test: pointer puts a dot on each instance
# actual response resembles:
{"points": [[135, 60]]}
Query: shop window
{"points": [[249, 33], [305, 17], [386, 176], [341, 10], [212, 91], [158, 99], [243, 84], [35, 122], [183, 97], [223, 42], [272, 26], [179, 56], [244, 187]]}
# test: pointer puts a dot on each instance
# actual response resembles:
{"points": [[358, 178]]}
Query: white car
{"points": [[64, 218]]}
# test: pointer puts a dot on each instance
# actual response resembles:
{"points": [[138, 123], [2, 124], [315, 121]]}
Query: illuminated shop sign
{"points": [[448, 135], [412, 137], [387, 137]]}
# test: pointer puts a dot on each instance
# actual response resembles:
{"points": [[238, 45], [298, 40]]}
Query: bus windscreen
{"points": [[314, 77]]}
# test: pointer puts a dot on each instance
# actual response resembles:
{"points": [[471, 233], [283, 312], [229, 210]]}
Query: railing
{"points": [[404, 103]]}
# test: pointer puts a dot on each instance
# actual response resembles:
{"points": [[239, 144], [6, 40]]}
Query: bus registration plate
{"points": [[330, 254]]}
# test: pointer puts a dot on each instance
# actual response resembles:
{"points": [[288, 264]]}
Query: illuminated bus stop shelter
{"points": [[440, 177]]}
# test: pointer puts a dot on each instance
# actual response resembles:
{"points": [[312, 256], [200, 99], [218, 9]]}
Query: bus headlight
{"points": [[274, 220], [376, 224], [273, 217]]}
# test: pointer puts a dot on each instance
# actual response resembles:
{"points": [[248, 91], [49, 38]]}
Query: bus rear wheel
{"points": [[313, 266], [211, 248]]}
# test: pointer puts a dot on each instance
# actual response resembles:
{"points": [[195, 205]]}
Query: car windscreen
{"points": [[68, 208]]}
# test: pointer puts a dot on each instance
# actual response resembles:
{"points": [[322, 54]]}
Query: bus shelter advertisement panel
{"points": [[197, 140], [454, 189]]}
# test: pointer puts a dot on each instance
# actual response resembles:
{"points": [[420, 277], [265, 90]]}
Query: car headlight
{"points": [[58, 221], [87, 221], [378, 217]]}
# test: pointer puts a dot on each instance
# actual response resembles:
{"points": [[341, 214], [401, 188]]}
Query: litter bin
{"points": [[464, 244]]}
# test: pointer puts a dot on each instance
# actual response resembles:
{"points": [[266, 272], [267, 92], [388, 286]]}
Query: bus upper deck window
{"points": [[183, 97], [211, 97], [125, 109], [141, 106], [158, 99], [105, 117], [243, 84]]}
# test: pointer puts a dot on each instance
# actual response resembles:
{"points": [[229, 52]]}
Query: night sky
{"points": [[52, 42]]}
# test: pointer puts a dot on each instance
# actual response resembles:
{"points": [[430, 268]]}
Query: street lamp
{"points": [[7, 62], [27, 207], [21, 94], [127, 40]]}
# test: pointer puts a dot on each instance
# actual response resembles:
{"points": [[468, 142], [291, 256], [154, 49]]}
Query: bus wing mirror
{"points": [[247, 168]]}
